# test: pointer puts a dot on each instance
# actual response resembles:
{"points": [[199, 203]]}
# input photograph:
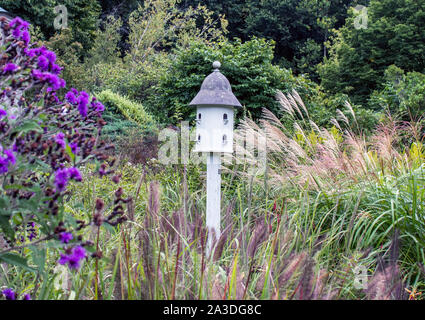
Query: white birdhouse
{"points": [[214, 113], [214, 135]]}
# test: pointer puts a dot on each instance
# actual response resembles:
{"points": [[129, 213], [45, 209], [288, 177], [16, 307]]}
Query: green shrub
{"points": [[248, 66], [403, 94], [121, 109]]}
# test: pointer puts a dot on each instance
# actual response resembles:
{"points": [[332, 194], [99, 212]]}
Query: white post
{"points": [[213, 198]]}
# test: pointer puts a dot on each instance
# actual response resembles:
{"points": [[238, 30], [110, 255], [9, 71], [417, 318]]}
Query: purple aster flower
{"points": [[16, 32], [51, 56], [60, 139], [26, 36], [27, 296], [43, 63], [61, 179], [74, 262], [63, 259], [10, 67], [16, 22], [65, 237], [74, 148], [25, 25], [79, 252], [3, 113], [74, 259], [37, 74], [74, 174], [98, 106], [9, 294], [4, 165], [82, 104], [30, 52], [55, 81], [56, 69], [10, 157], [70, 96]]}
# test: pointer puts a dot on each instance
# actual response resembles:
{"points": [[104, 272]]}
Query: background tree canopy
{"points": [[157, 52]]}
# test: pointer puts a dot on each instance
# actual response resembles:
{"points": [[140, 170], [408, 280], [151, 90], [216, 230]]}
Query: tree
{"points": [[247, 65], [299, 27], [82, 17], [359, 57]]}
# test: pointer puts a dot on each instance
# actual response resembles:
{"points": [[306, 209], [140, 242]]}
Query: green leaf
{"points": [[69, 152], [38, 257], [30, 125], [6, 227], [16, 260]]}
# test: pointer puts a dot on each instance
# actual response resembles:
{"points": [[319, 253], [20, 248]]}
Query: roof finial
{"points": [[216, 65]]}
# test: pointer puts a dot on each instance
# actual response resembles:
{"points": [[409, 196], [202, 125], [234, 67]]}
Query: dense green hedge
{"points": [[248, 66], [123, 114]]}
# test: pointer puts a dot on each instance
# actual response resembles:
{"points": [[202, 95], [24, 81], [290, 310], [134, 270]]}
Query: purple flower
{"points": [[70, 96], [60, 139], [56, 69], [51, 56], [53, 79], [61, 179], [74, 148], [27, 296], [74, 262], [74, 259], [26, 36], [74, 174], [43, 63], [10, 67], [32, 236], [30, 52], [63, 175], [3, 113], [16, 32], [5, 162], [9, 294], [79, 252], [65, 237], [98, 106], [63, 259], [83, 100], [4, 165], [16, 22], [10, 157]]}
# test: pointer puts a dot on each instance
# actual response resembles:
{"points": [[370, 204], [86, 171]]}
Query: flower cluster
{"points": [[6, 160], [20, 29], [73, 257], [63, 175], [44, 140], [9, 294], [65, 237], [81, 100]]}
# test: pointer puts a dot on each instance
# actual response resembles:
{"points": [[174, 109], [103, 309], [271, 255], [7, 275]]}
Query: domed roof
{"points": [[215, 90]]}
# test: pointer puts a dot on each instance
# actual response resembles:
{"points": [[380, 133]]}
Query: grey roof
{"points": [[215, 90]]}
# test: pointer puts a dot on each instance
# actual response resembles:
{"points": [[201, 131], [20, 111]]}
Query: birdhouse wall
{"points": [[214, 129]]}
